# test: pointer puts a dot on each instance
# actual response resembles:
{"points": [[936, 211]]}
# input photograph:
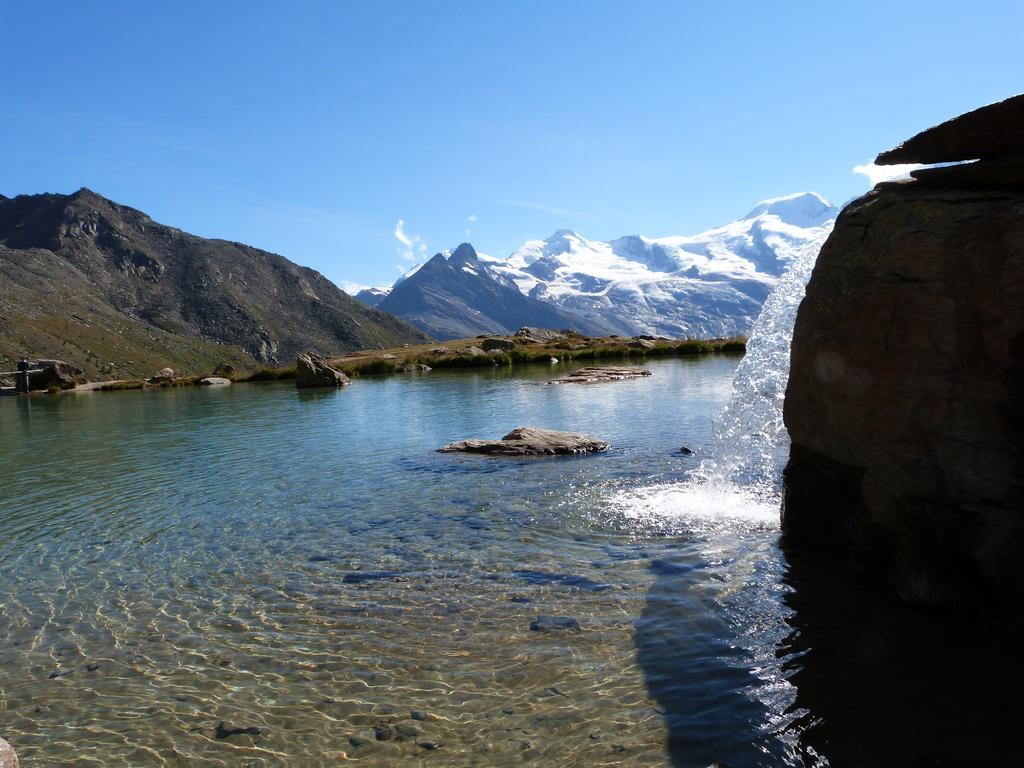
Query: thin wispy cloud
{"points": [[878, 173], [471, 218], [536, 207], [411, 244]]}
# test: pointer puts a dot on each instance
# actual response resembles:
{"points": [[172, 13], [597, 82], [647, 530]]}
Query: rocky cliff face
{"points": [[905, 402], [105, 287]]}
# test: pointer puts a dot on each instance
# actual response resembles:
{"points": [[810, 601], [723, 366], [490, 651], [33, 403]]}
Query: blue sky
{"points": [[311, 129]]}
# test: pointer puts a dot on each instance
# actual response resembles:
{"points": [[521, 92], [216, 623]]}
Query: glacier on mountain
{"points": [[707, 285]]}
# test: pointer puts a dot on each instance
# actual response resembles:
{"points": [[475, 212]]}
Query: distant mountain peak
{"points": [[801, 209], [84, 193], [465, 254]]}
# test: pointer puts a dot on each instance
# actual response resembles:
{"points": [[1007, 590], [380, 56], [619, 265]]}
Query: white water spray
{"points": [[750, 435], [739, 481]]}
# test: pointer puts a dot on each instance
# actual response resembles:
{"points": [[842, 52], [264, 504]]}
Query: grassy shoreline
{"points": [[460, 354], [573, 348]]}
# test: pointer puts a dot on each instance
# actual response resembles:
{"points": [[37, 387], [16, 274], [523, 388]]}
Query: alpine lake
{"points": [[256, 575]]}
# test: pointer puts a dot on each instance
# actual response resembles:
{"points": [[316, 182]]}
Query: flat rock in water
{"points": [[603, 373], [214, 381], [530, 441], [555, 624]]}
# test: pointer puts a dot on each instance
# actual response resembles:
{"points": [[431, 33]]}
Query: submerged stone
{"points": [[360, 577], [569, 580], [224, 731], [555, 624]]}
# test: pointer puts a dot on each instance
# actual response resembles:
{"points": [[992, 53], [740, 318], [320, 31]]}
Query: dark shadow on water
{"points": [[877, 682], [696, 672], [883, 683]]}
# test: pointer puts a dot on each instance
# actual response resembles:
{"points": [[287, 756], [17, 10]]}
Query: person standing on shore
{"points": [[21, 384]]}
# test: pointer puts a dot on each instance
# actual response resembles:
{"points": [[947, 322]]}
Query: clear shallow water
{"points": [[306, 563]]}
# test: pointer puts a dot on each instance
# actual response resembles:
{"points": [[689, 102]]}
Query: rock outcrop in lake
{"points": [[531, 441], [313, 371], [905, 402], [602, 373]]}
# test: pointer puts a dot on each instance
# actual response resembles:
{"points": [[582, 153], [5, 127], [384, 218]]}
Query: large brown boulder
{"points": [[492, 345], [55, 374], [163, 376], [313, 371], [905, 402]]}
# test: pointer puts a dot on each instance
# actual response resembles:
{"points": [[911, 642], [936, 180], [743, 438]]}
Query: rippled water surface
{"points": [[306, 564]]}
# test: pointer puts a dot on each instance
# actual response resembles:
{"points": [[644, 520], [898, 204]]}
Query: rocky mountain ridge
{"points": [[105, 287]]}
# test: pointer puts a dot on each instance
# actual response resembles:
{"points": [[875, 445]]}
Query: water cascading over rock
{"points": [[739, 480], [905, 402]]}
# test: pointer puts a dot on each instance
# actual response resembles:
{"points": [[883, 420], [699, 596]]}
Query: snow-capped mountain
{"points": [[705, 285], [455, 296], [373, 296]]}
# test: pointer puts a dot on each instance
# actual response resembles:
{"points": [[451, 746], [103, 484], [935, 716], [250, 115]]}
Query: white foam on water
{"points": [[699, 506]]}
